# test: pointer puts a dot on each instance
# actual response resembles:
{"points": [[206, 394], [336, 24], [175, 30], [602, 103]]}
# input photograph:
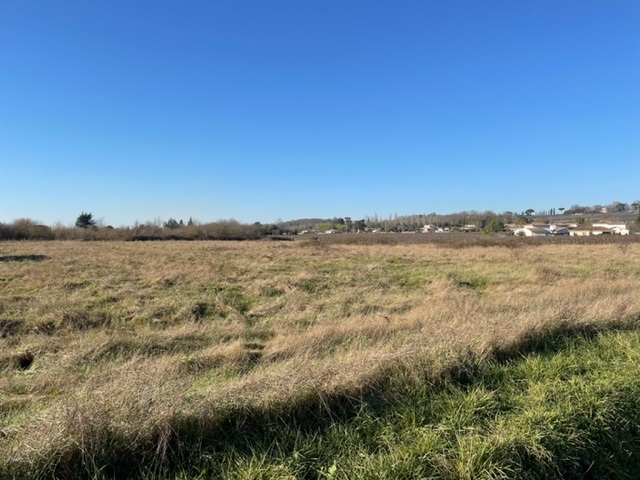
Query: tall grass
{"points": [[147, 354], [568, 408]]}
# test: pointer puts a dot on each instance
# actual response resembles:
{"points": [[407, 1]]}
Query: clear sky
{"points": [[259, 110]]}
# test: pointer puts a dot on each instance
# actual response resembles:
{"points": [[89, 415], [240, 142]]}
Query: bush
{"points": [[25, 229]]}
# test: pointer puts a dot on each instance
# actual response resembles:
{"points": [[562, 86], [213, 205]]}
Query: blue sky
{"points": [[261, 110]]}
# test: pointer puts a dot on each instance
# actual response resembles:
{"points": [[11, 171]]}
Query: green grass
{"points": [[562, 405], [570, 408]]}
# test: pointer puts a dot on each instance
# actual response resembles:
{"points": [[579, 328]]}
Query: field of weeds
{"points": [[141, 359]]}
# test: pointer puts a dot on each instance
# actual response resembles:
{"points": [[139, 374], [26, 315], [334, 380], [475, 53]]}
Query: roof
{"points": [[538, 230], [591, 228]]}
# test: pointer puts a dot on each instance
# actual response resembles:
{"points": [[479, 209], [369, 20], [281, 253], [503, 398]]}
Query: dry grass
{"points": [[124, 347]]}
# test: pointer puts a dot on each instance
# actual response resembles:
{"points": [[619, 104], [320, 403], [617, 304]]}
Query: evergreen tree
{"points": [[171, 224], [85, 220]]}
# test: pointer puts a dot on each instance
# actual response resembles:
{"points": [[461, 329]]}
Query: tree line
{"points": [[87, 227]]}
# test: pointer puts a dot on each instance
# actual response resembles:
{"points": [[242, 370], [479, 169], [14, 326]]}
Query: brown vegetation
{"points": [[126, 347], [27, 229]]}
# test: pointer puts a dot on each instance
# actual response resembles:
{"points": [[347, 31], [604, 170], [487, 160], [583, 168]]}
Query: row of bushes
{"points": [[26, 229]]}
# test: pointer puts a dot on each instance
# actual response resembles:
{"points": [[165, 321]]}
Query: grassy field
{"points": [[316, 359]]}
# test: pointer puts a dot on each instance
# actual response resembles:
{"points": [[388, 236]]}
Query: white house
{"points": [[587, 230], [615, 228], [559, 229], [531, 231]]}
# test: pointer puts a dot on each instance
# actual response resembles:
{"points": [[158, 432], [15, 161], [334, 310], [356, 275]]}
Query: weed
{"points": [[469, 280]]}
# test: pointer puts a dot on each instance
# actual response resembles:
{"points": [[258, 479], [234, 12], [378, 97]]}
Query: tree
{"points": [[577, 209], [635, 225], [494, 225], [85, 220], [323, 227], [172, 224], [271, 229], [521, 220], [618, 207], [529, 212]]}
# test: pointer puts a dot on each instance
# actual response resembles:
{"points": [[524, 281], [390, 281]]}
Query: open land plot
{"points": [[121, 357]]}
